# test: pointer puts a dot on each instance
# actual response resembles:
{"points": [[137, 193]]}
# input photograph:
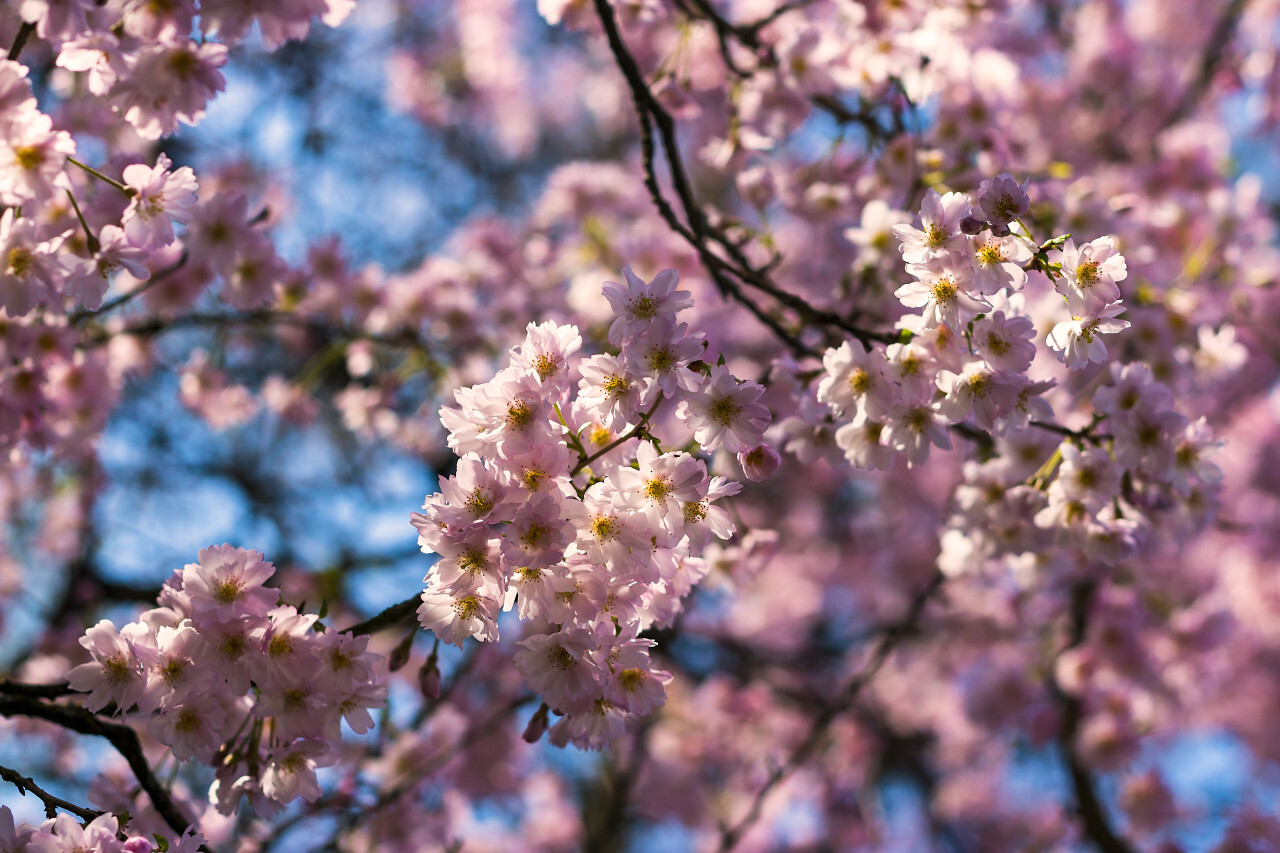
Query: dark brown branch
{"points": [[1089, 808], [20, 40], [607, 815], [122, 737], [891, 637], [51, 802], [389, 618], [34, 691], [1214, 50], [727, 271]]}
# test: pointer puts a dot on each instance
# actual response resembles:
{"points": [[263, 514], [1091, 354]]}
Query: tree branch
{"points": [[122, 737], [1093, 816], [389, 618], [51, 802], [889, 639], [698, 232], [20, 40], [1214, 50]]}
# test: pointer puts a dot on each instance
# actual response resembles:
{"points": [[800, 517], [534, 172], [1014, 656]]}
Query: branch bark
{"points": [[1089, 808], [122, 737]]}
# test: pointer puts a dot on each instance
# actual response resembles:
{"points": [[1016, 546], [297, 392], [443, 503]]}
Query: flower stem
{"points": [[129, 191]]}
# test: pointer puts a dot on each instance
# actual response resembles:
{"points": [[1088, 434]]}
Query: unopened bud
{"points": [[972, 225], [760, 462], [400, 654], [537, 726], [429, 679]]}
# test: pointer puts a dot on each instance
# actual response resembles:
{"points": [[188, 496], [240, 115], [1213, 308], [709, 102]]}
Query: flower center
{"points": [[535, 536], [116, 668], [232, 646], [473, 560], [467, 606], [21, 260], [479, 503], [1087, 273], [661, 360], [188, 721], [228, 591], [990, 255], [724, 410], [173, 671], [631, 679], [599, 436], [605, 527], [29, 157], [546, 366], [280, 645], [935, 237], [644, 307], [182, 63], [519, 414], [658, 488], [1005, 207], [560, 658]]}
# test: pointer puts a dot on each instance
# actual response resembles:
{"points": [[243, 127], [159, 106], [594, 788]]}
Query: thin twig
{"points": [[129, 191], [636, 432], [80, 316]]}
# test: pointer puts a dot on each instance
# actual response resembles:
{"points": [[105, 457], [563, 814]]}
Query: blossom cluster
{"points": [[223, 673], [968, 362], [1142, 471], [566, 506], [966, 356], [63, 834], [68, 229]]}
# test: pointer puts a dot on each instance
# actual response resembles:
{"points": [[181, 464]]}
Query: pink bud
{"points": [[429, 679], [760, 462], [400, 654], [537, 725]]}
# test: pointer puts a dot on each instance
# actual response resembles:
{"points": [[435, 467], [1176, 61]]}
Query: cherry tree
{"points": [[638, 424]]}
